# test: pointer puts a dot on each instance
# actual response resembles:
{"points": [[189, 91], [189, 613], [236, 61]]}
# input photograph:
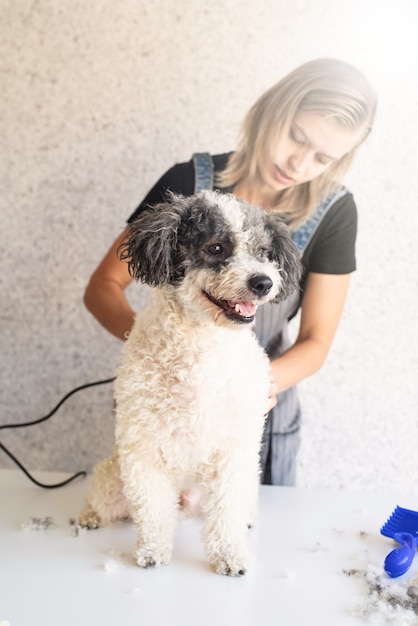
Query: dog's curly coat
{"points": [[191, 392]]}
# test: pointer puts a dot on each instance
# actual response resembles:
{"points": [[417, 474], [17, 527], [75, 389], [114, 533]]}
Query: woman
{"points": [[297, 143]]}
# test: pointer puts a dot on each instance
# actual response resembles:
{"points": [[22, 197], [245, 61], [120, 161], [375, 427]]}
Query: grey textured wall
{"points": [[97, 99]]}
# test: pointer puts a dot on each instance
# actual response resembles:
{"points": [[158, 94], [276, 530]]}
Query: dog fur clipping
{"points": [[191, 392]]}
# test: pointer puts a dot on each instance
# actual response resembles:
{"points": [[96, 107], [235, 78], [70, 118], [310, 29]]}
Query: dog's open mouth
{"points": [[240, 311]]}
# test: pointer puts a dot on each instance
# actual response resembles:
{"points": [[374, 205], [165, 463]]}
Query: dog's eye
{"points": [[215, 248]]}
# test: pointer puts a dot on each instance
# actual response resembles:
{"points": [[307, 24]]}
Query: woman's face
{"points": [[313, 144]]}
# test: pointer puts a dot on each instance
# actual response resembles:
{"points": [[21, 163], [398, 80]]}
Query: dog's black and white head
{"points": [[223, 256]]}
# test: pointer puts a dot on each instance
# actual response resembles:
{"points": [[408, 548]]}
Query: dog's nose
{"points": [[260, 284]]}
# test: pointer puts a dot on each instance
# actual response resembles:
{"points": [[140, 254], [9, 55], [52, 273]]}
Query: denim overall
{"points": [[281, 437]]}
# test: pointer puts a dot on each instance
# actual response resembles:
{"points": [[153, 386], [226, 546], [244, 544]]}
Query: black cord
{"points": [[43, 419], [25, 471], [60, 403]]}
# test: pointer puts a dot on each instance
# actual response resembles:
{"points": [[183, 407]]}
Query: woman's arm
{"points": [[105, 295], [322, 306]]}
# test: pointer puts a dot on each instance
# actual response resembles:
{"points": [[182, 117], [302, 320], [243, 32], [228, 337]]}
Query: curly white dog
{"points": [[191, 393]]}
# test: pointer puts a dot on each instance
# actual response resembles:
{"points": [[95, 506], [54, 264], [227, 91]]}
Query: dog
{"points": [[192, 389]]}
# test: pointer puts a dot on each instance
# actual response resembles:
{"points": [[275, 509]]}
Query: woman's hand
{"points": [[273, 391]]}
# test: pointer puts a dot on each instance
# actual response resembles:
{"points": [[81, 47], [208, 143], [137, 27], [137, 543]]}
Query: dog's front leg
{"points": [[228, 504], [153, 503]]}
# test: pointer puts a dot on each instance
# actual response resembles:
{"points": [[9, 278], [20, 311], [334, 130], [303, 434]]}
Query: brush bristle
{"points": [[401, 520]]}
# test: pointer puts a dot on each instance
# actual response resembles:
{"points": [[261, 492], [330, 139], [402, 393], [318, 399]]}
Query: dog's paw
{"points": [[230, 565], [90, 519], [147, 557]]}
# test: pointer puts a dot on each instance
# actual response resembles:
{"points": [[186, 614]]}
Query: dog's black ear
{"points": [[285, 253], [150, 247]]}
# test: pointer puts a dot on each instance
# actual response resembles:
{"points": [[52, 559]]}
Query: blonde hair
{"points": [[328, 87]]}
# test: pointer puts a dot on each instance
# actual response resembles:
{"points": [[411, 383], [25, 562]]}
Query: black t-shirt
{"points": [[332, 247]]}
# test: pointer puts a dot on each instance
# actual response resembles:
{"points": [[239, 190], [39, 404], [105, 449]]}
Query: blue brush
{"points": [[402, 526]]}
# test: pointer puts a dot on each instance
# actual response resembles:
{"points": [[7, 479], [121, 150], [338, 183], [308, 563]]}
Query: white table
{"points": [[303, 541]]}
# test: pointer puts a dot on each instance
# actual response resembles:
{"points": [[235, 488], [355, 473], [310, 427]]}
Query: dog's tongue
{"points": [[246, 309]]}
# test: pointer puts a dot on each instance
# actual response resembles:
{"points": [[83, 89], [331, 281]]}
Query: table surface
{"points": [[302, 543]]}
